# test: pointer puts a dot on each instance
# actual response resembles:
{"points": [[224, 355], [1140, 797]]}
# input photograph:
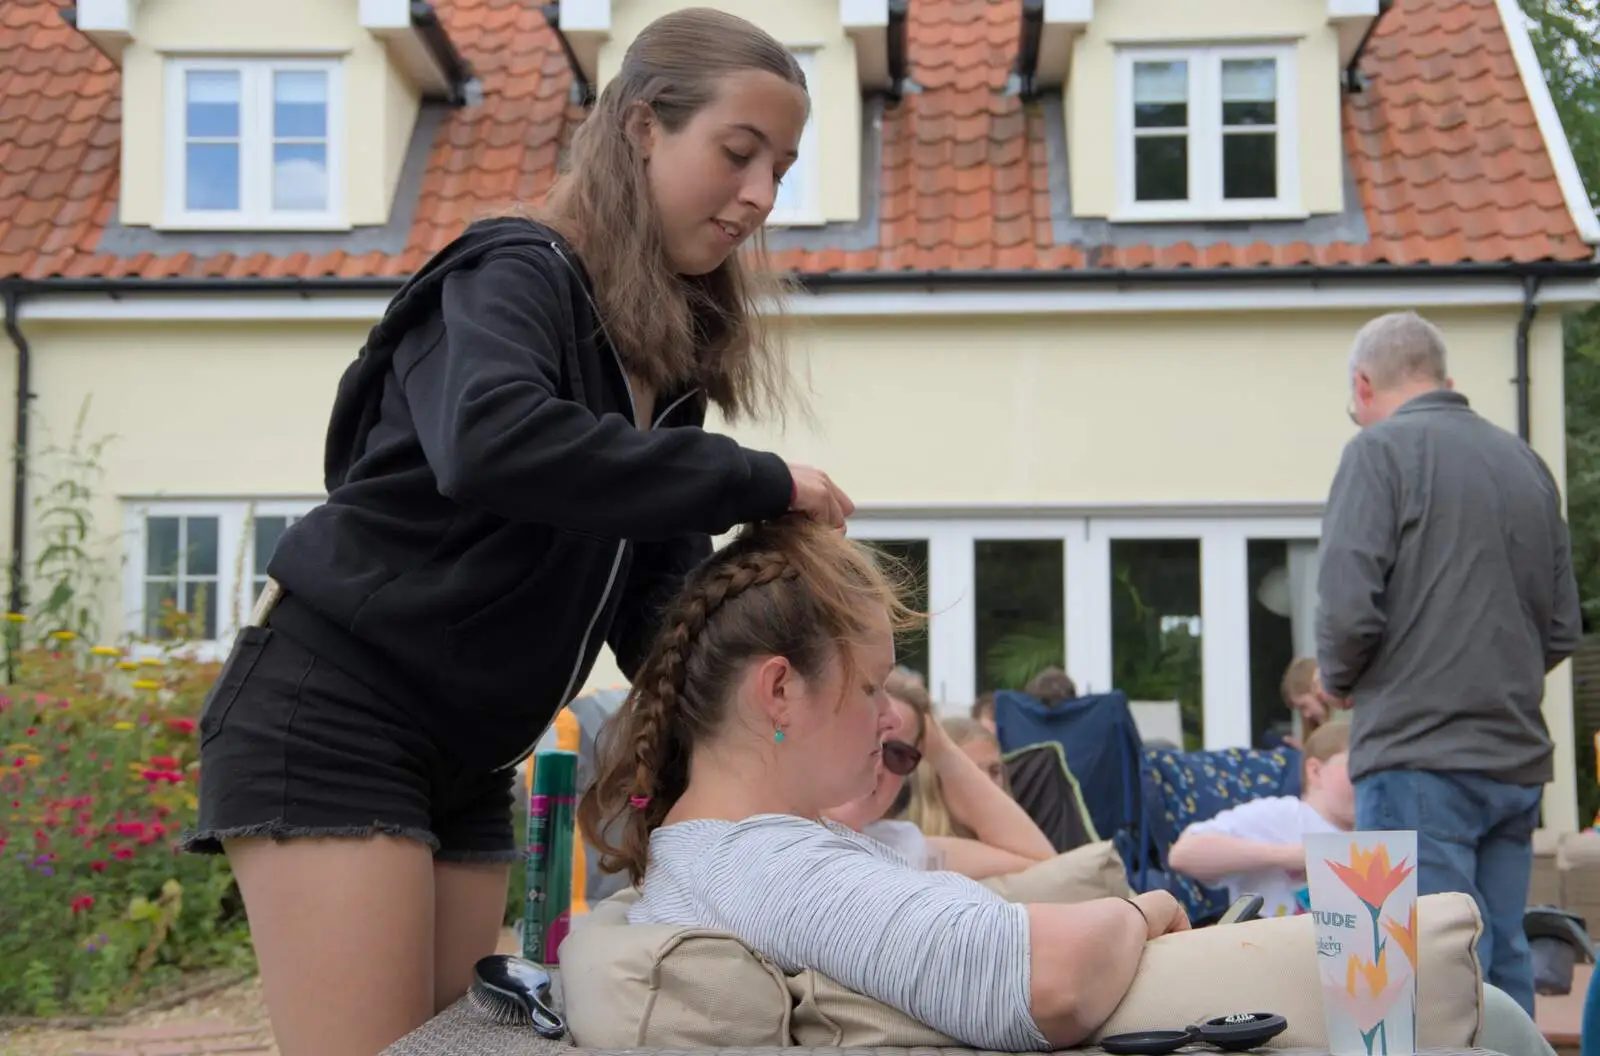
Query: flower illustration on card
{"points": [[1369, 993], [1372, 879], [1405, 935]]}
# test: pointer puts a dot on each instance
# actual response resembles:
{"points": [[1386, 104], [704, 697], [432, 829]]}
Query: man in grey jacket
{"points": [[1446, 594]]}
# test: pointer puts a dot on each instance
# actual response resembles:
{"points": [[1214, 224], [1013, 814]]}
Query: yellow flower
{"points": [[17, 617], [64, 636], [152, 661], [122, 725], [128, 665], [146, 683], [105, 650]]}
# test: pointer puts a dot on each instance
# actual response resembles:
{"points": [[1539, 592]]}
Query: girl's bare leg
{"points": [[469, 906], [343, 930]]}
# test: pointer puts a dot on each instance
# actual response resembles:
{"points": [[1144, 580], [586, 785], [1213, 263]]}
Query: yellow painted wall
{"points": [[1216, 408], [1092, 125], [380, 106], [835, 87]]}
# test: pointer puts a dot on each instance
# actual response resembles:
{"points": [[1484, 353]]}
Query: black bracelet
{"points": [[1139, 910]]}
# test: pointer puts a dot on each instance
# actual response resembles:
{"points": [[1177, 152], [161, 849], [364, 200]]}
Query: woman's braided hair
{"points": [[790, 588]]}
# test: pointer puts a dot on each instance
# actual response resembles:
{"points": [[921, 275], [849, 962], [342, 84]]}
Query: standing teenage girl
{"points": [[518, 474]]}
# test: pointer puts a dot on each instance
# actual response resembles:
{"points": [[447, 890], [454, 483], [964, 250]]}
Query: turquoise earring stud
{"points": [[777, 736]]}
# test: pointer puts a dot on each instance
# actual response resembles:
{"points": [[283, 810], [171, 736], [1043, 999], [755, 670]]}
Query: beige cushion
{"points": [[826, 1015], [652, 986], [1270, 966], [637, 986], [1092, 871]]}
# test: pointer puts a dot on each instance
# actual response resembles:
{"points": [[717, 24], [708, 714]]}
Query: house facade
{"points": [[1078, 280]]}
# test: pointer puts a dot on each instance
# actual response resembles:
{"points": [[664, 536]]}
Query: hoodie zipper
{"points": [[622, 544]]}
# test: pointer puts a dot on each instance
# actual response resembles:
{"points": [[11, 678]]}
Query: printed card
{"points": [[1363, 888]]}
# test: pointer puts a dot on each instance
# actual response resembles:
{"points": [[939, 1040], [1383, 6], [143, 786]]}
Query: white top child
{"points": [[1257, 848]]}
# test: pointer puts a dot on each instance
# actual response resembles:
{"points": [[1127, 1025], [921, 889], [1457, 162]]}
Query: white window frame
{"points": [[235, 561], [1205, 201], [1224, 598], [805, 173], [255, 148]]}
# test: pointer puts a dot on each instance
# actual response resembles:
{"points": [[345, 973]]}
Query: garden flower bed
{"points": [[99, 777]]}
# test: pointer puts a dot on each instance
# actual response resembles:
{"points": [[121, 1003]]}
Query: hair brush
{"points": [[513, 992]]}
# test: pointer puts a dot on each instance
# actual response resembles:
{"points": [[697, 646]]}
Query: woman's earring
{"points": [[777, 736]]}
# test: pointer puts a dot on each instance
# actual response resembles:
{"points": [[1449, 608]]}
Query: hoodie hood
{"points": [[356, 403]]}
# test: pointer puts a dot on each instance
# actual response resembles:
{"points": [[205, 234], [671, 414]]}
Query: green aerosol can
{"points": [[552, 821]]}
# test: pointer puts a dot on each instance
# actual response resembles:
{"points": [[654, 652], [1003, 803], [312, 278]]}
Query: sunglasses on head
{"points": [[900, 758]]}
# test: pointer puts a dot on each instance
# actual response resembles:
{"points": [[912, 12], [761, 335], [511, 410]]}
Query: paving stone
{"points": [[200, 1037], [181, 1030]]}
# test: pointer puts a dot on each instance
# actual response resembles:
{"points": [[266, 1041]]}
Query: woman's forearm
{"points": [[982, 806], [1083, 961], [975, 860]]}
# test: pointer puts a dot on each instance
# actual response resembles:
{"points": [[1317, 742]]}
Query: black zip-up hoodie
{"points": [[494, 512]]}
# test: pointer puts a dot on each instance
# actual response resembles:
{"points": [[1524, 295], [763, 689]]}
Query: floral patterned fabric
{"points": [[1181, 788]]}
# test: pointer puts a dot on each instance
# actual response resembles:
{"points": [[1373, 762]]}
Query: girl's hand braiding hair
{"points": [[818, 497]]}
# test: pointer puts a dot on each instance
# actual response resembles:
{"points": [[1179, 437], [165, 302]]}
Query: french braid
{"points": [[789, 588]]}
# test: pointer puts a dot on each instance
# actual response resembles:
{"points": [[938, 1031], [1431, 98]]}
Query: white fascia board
{"points": [[1077, 299]]}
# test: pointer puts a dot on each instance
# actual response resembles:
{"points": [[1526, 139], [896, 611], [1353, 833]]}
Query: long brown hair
{"points": [[670, 328], [792, 588]]}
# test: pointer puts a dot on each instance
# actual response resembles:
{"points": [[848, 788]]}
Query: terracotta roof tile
{"points": [[1446, 154]]}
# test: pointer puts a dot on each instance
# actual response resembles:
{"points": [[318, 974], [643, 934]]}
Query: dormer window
{"points": [[1207, 133], [799, 195], [253, 144]]}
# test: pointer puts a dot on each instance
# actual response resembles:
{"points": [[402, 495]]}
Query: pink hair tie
{"points": [[639, 802]]}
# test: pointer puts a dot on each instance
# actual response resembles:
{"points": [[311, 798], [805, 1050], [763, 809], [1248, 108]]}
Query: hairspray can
{"points": [[556, 777], [534, 856]]}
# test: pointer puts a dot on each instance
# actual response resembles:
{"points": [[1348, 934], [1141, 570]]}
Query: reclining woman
{"points": [[761, 706], [997, 836]]}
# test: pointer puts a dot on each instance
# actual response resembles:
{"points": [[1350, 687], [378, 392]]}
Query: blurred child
{"points": [[1258, 847]]}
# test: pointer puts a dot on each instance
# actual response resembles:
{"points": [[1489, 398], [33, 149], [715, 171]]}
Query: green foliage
{"points": [[67, 570], [98, 771], [1013, 660], [1566, 36], [98, 776]]}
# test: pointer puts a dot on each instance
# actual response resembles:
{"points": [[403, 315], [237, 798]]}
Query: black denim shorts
{"points": [[291, 746]]}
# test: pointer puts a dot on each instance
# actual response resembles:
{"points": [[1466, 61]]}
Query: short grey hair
{"points": [[1398, 347]]}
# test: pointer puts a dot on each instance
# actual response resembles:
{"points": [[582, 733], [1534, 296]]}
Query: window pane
{"points": [[1282, 586], [201, 597], [267, 533], [1155, 625], [1020, 589], [1161, 168], [161, 546], [1244, 115], [200, 546], [1160, 94], [1250, 165], [300, 104], [211, 104], [911, 647], [300, 176], [160, 596], [1249, 80], [211, 176]]}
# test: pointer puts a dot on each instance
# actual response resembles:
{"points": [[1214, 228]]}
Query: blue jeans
{"points": [[1474, 835]]}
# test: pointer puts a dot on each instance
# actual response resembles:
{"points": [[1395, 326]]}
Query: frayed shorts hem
{"points": [[210, 841]]}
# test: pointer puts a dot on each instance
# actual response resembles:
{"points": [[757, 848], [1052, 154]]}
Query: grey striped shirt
{"points": [[940, 947]]}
